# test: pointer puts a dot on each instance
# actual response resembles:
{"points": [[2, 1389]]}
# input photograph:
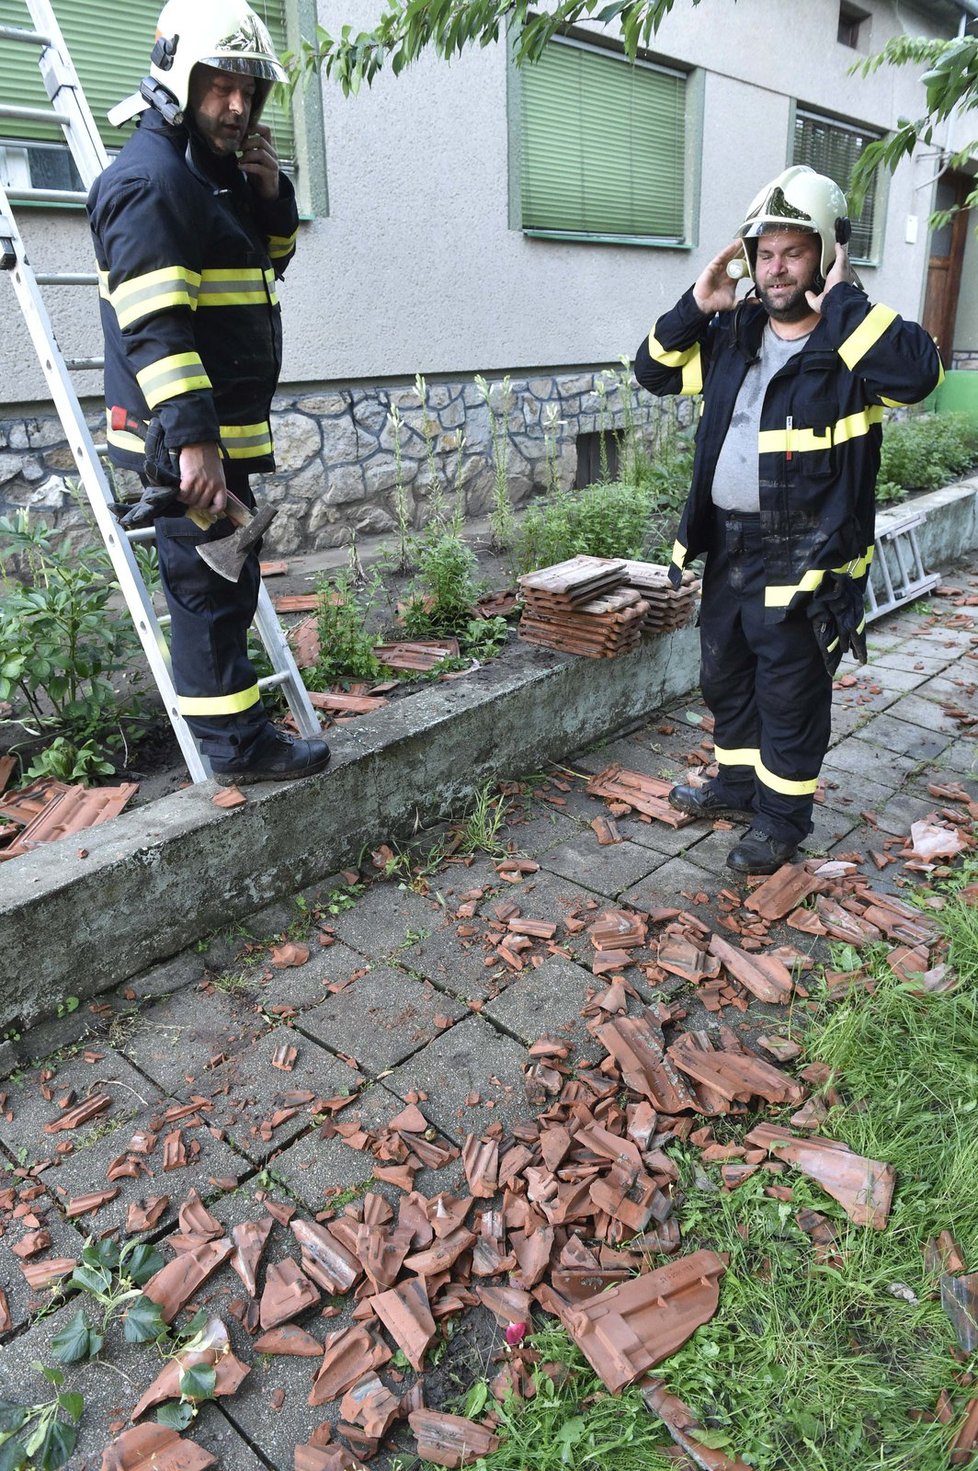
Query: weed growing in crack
{"points": [[42, 1434], [501, 520]]}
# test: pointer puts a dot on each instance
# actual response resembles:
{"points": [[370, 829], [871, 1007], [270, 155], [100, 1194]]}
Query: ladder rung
{"points": [[142, 533], [47, 196], [272, 681], [34, 114], [100, 449], [66, 278], [15, 33], [84, 365]]}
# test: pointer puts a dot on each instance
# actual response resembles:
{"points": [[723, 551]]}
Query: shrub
{"points": [[346, 647], [62, 644], [440, 598], [926, 452]]}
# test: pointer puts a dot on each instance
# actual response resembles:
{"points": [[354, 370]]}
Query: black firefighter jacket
{"points": [[188, 256], [820, 432]]}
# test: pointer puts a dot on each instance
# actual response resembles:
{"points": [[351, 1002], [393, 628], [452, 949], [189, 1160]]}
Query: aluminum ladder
{"points": [[71, 111], [897, 574]]}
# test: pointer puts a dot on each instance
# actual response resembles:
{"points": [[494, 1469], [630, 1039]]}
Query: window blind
{"points": [[603, 145]]}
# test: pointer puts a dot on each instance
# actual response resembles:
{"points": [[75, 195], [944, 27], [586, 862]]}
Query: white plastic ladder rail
{"points": [[897, 573], [72, 113]]}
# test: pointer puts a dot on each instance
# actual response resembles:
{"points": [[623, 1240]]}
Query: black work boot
{"points": [[760, 853], [279, 757], [707, 801]]}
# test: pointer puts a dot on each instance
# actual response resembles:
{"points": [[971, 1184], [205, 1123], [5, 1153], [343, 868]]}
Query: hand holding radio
{"points": [[716, 288]]}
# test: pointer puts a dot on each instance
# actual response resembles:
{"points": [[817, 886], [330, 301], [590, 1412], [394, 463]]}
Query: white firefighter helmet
{"points": [[798, 199], [224, 34]]}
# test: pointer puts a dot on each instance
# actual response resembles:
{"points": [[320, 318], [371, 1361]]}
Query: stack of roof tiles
{"points": [[582, 606], [669, 607]]}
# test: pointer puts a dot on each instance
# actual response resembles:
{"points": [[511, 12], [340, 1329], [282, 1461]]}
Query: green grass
{"points": [[809, 1366]]}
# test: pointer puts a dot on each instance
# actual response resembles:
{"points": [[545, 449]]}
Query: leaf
{"points": [[73, 1403], [198, 1382], [143, 1322], [13, 1455], [74, 1342], [475, 1400], [56, 1446], [177, 1415], [144, 1262], [53, 1376], [12, 1416]]}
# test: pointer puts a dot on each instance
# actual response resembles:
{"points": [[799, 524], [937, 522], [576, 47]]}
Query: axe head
{"points": [[227, 556]]}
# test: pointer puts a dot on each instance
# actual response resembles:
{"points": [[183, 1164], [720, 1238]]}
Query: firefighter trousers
{"points": [[216, 684], [765, 683]]}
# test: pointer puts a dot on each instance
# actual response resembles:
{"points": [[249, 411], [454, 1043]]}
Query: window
{"points": [[603, 147], [832, 148], [110, 46], [851, 22]]}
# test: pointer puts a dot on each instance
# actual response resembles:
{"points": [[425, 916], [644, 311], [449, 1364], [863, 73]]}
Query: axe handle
{"points": [[235, 510]]}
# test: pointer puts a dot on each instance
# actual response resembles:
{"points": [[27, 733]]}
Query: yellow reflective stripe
{"points": [[782, 784], [779, 596], [219, 704], [866, 335], [833, 645], [103, 286], [155, 291], [671, 359], [270, 283], [122, 438], [244, 441], [182, 372], [679, 554], [853, 426], [740, 756], [227, 286], [280, 245], [693, 375], [858, 565]]}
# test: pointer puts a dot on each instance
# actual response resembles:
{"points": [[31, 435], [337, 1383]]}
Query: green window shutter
{"points": [[603, 145], [110, 46], [832, 148]]}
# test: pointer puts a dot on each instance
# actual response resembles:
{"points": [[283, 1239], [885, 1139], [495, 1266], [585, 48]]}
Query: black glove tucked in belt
{"points": [[839, 620]]}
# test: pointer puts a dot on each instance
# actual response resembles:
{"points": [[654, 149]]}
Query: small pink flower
{"points": [[515, 1333]]}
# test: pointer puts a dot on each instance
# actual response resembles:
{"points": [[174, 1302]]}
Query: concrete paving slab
{"points": [[541, 829], [546, 1001], [457, 967], [896, 736], [671, 842], [173, 1041], [382, 1018], [920, 709], [673, 884], [246, 1092], [848, 795], [904, 809], [960, 756], [387, 919], [614, 868], [861, 757], [473, 1059], [914, 658]]}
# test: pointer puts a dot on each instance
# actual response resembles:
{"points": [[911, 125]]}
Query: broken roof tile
{"points": [[348, 1354], [249, 1242], [765, 976], [175, 1284], [288, 1292], [450, 1440], [155, 1448], [212, 1348], [629, 1329], [405, 1312], [863, 1187], [682, 1425], [324, 1259], [289, 1340], [959, 1299], [782, 892], [480, 1158], [736, 1076]]}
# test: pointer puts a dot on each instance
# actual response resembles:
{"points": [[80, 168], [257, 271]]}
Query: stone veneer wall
{"points": [[337, 463]]}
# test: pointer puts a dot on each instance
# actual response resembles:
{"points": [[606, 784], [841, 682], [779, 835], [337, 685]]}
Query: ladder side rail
{"points": [[65, 91], [279, 651], [98, 492]]}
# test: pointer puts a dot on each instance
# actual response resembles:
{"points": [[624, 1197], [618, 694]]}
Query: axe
{"points": [[227, 556]]}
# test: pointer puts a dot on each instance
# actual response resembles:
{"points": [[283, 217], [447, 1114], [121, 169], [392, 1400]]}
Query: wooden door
{"points": [[944, 266]]}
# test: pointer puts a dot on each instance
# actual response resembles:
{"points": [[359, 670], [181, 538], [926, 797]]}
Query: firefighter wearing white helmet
{"points": [[794, 378], [193, 223]]}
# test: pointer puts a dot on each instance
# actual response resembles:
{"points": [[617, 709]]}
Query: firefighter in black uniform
{"points": [[794, 379], [193, 224]]}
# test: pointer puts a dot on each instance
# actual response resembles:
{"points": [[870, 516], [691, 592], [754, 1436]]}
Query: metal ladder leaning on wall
{"points": [[72, 113], [897, 573]]}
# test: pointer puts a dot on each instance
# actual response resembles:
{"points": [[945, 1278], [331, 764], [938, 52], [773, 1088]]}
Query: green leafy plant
{"points": [[113, 1277], [346, 645], [38, 1435], [441, 596], [65, 761], [62, 644], [501, 521], [925, 452]]}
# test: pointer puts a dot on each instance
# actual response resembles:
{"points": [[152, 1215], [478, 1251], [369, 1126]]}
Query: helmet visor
{"points": [[264, 68], [777, 207]]}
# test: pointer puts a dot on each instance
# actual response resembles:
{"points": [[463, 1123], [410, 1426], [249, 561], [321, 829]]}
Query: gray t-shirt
{"points": [[735, 482]]}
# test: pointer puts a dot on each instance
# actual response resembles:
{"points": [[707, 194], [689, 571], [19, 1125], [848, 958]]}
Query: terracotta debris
{"points": [[737, 1076], [324, 1259], [348, 1354], [71, 810], [84, 1205], [82, 1113], [782, 892], [249, 1239], [450, 1440], [288, 1292], [39, 1275], [155, 1448], [682, 1425], [863, 1187], [290, 1341], [175, 1284], [669, 607], [406, 1314], [418, 655], [646, 794], [764, 976], [629, 1329], [214, 1349], [966, 1440]]}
